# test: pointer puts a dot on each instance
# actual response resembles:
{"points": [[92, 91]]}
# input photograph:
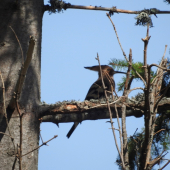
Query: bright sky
{"points": [[70, 41]]}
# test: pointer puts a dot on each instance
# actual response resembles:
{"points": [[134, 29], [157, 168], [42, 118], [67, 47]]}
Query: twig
{"points": [[146, 40], [120, 132], [164, 165], [19, 44], [123, 50], [45, 143], [158, 131], [41, 137], [155, 161], [7, 135], [164, 51], [158, 76], [163, 68], [130, 82], [108, 105], [20, 146], [4, 109], [162, 96], [136, 88], [125, 94], [127, 85], [24, 71]]}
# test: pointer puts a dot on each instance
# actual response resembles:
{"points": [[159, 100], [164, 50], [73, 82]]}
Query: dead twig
{"points": [[164, 165], [45, 143], [4, 110], [7, 135], [158, 131], [23, 71], [146, 41], [136, 88], [120, 132], [108, 105], [19, 44], [20, 146], [123, 50]]}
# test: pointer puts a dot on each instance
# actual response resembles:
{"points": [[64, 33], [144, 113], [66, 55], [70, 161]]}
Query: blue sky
{"points": [[70, 41]]}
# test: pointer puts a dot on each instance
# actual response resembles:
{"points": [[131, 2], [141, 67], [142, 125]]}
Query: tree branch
{"points": [[45, 143], [123, 50], [80, 111], [111, 122], [113, 9], [23, 71]]}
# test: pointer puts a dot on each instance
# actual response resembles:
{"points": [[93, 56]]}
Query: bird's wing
{"points": [[96, 90]]}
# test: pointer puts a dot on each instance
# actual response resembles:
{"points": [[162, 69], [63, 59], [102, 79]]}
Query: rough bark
{"points": [[92, 110], [25, 18]]}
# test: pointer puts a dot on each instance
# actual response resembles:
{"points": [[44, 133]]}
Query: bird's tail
{"points": [[72, 129]]}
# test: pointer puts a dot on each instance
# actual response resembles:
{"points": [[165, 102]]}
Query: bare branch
{"points": [[7, 135], [159, 131], [123, 50], [23, 71], [136, 88], [157, 77], [108, 106], [127, 85], [120, 132], [20, 146], [45, 143], [156, 105], [146, 40], [4, 110], [164, 165], [163, 68], [109, 103], [79, 111], [113, 9], [19, 44]]}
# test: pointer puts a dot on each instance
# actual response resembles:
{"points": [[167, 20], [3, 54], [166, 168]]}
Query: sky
{"points": [[71, 41]]}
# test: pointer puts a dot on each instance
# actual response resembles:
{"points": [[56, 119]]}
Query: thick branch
{"points": [[80, 111]]}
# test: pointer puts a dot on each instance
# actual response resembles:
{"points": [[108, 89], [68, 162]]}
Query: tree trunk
{"points": [[25, 18]]}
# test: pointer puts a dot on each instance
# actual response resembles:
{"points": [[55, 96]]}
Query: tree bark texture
{"points": [[25, 18]]}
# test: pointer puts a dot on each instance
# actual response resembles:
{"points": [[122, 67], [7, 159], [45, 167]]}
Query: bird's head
{"points": [[105, 69]]}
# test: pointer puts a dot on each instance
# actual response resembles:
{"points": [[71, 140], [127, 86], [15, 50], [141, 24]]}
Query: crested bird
{"points": [[96, 90]]}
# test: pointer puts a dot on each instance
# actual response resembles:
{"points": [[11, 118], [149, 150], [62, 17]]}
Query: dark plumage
{"points": [[96, 90]]}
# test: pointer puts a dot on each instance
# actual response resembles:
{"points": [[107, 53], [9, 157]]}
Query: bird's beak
{"points": [[119, 72]]}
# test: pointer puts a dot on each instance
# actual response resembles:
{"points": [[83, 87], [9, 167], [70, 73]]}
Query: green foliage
{"points": [[118, 64], [134, 149], [121, 84], [123, 65], [161, 139]]}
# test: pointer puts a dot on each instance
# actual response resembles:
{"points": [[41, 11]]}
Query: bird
{"points": [[96, 90]]}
